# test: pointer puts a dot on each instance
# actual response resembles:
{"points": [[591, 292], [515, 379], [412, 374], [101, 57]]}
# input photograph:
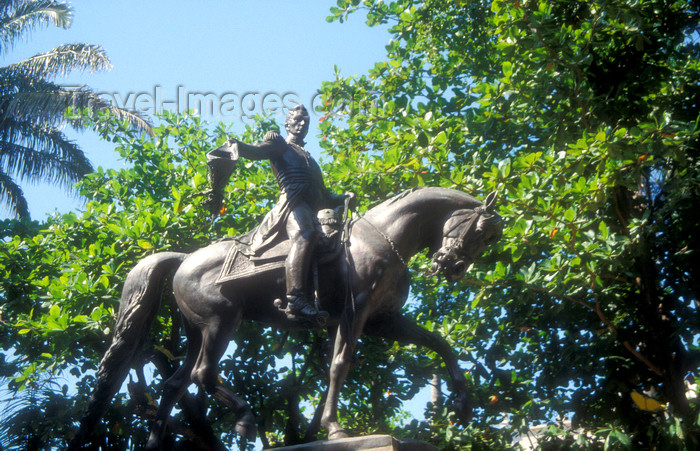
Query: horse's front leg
{"points": [[349, 330], [405, 331]]}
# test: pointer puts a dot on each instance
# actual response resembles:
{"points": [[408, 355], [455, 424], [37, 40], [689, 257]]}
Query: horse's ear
{"points": [[490, 201]]}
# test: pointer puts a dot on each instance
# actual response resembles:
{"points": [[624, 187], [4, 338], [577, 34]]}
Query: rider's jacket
{"points": [[298, 175]]}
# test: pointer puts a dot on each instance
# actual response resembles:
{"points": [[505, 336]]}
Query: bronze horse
{"points": [[456, 227]]}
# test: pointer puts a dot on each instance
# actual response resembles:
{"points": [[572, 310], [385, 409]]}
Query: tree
{"points": [[584, 116], [582, 322], [33, 107]]}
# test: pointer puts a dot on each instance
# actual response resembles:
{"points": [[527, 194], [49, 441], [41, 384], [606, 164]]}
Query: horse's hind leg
{"points": [[174, 388], [215, 339], [404, 331]]}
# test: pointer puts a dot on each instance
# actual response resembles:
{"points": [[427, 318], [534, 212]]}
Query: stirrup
{"points": [[299, 310]]}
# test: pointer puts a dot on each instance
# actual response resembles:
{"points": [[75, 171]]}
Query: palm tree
{"points": [[39, 417], [33, 107]]}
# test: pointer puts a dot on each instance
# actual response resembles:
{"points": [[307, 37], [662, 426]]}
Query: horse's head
{"points": [[465, 236]]}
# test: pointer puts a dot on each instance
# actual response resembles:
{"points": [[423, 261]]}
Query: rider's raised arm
{"points": [[271, 146]]}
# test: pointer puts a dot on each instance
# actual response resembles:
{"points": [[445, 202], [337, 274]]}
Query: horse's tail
{"points": [[138, 309]]}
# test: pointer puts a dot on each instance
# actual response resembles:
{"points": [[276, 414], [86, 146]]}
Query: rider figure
{"points": [[302, 194]]}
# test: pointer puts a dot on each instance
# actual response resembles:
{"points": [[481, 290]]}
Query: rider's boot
{"points": [[300, 309]]}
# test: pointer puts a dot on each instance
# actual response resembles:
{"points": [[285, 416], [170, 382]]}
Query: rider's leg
{"points": [[302, 232]]}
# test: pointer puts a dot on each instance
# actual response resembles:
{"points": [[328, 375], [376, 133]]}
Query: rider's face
{"points": [[298, 124]]}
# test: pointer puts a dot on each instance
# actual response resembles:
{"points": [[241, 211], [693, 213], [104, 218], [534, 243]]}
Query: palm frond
{"points": [[18, 17], [85, 98], [12, 196], [41, 153], [32, 107], [61, 61], [41, 101], [37, 418]]}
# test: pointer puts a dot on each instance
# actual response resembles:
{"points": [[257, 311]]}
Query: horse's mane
{"points": [[401, 195], [443, 191]]}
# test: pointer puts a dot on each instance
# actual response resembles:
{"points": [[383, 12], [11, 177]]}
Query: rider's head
{"points": [[297, 122]]}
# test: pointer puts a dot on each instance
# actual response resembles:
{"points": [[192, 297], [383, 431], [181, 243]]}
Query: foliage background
{"points": [[583, 114]]}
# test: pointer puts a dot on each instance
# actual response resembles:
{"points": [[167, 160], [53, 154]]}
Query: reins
{"points": [[388, 240], [473, 222], [345, 239], [350, 295], [477, 212]]}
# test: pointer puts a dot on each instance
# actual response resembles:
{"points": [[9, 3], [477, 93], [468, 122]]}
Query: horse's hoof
{"points": [[246, 428], [152, 445], [337, 433]]}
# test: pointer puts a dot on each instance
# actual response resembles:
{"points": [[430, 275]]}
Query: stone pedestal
{"points": [[369, 442]]}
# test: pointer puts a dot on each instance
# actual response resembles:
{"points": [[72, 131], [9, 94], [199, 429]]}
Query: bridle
{"points": [[452, 252], [473, 217]]}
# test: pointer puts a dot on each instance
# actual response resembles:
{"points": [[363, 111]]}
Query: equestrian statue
{"points": [[295, 271]]}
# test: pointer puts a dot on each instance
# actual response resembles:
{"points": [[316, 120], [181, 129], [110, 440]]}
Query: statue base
{"points": [[369, 442]]}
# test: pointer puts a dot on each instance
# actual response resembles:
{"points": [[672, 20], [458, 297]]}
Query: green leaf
{"points": [[622, 438], [507, 67], [441, 138], [570, 214]]}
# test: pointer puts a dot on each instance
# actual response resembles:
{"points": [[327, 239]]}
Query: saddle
{"points": [[243, 261]]}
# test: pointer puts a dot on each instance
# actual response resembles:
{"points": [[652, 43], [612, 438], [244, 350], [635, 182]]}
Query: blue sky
{"points": [[163, 50]]}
